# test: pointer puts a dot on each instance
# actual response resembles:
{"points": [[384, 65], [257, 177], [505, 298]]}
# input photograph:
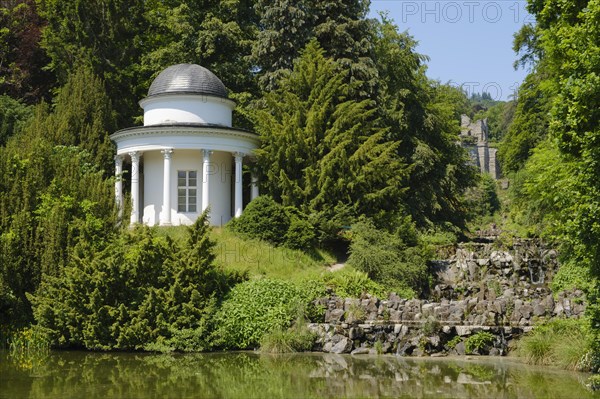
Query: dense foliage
{"points": [[140, 292], [257, 307], [264, 219], [566, 343], [54, 198], [322, 152], [558, 186], [22, 60], [126, 43], [13, 115], [351, 127], [395, 260]]}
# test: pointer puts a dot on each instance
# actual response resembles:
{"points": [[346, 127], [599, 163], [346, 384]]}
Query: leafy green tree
{"points": [[340, 27], [499, 118], [13, 115], [102, 35], [83, 116], [322, 152], [529, 126], [52, 196], [21, 57], [440, 169], [126, 43], [566, 37], [215, 34], [482, 200], [423, 117], [55, 200]]}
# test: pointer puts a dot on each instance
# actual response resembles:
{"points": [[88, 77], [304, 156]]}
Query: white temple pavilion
{"points": [[187, 156]]}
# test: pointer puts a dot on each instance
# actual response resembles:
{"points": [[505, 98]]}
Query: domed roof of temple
{"points": [[187, 79]]}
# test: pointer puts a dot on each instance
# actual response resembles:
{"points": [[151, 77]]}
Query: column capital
{"points": [[167, 152], [238, 155], [135, 155], [118, 158], [207, 152]]}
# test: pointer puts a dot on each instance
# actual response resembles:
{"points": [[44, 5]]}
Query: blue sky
{"points": [[469, 43]]}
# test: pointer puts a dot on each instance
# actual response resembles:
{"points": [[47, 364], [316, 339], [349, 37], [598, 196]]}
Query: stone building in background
{"points": [[474, 137]]}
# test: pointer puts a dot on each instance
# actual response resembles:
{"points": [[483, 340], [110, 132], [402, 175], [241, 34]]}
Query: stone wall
{"points": [[480, 289]]}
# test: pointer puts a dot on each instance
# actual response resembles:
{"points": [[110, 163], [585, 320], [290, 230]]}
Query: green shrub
{"points": [[140, 292], [355, 314], [431, 326], [257, 307], [300, 234], [263, 219], [266, 220], [479, 341], [351, 283], [439, 237], [387, 259], [573, 275], [594, 382], [482, 200], [378, 347]]}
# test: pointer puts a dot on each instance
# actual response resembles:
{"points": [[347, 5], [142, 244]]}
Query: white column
{"points": [[238, 203], [135, 186], [119, 184], [254, 187], [205, 179], [165, 216]]}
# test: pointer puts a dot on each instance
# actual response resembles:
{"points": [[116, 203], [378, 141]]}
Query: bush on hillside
{"points": [[387, 259], [264, 219], [351, 283], [300, 234]]}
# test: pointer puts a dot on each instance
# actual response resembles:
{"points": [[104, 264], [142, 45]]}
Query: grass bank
{"points": [[259, 258]]}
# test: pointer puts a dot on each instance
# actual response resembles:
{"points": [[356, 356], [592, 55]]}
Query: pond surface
{"points": [[250, 375]]}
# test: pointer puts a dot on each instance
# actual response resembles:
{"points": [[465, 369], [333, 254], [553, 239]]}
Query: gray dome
{"points": [[187, 78]]}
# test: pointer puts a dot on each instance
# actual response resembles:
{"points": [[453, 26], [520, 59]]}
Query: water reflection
{"points": [[249, 375]]}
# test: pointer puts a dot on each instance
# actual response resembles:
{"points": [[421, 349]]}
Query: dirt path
{"points": [[335, 267]]}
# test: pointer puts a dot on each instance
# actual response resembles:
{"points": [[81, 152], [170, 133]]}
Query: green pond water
{"points": [[250, 375]]}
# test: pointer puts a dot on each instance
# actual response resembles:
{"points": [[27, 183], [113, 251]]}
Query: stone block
{"points": [[397, 328], [343, 346], [395, 315], [463, 330], [334, 316], [460, 349], [427, 309], [360, 351]]}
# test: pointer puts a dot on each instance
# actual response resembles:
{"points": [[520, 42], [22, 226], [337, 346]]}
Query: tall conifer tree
{"points": [[323, 152]]}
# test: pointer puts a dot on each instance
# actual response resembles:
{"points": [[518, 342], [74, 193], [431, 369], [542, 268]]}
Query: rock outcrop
{"points": [[484, 291]]}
